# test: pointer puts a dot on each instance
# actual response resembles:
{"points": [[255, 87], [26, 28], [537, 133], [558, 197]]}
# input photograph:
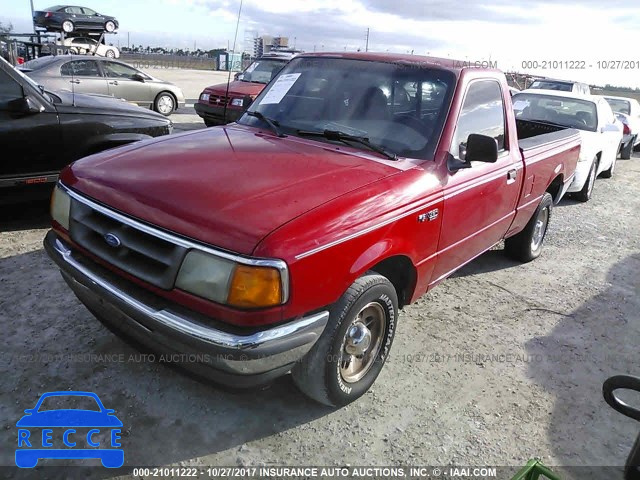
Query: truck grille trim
{"points": [[145, 256], [218, 99]]}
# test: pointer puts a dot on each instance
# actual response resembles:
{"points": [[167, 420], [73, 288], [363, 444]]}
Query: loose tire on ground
{"points": [[584, 195], [527, 245], [328, 374]]}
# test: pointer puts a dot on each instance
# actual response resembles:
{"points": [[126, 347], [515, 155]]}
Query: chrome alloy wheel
{"points": [[539, 229], [362, 342]]}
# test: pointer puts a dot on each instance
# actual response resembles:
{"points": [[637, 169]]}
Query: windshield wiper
{"points": [[273, 124], [345, 138]]}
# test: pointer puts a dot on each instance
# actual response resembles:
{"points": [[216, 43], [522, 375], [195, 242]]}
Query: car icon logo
{"points": [[112, 240], [85, 431]]}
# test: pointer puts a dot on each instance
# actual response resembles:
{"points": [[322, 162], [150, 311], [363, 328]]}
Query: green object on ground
{"points": [[534, 470]]}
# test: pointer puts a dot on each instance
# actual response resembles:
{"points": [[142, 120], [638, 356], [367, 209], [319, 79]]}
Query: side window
{"points": [[483, 113], [88, 11], [74, 10], [9, 89], [80, 68], [118, 70]]}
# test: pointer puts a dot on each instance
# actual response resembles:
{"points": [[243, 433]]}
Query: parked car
{"points": [[628, 112], [42, 131], [358, 203], [104, 76], [592, 116], [560, 85], [217, 107], [86, 45], [68, 18]]}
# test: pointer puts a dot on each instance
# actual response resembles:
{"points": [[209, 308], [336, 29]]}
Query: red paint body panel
{"points": [[330, 213]]}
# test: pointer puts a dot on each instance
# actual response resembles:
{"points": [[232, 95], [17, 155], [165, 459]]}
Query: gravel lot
{"points": [[499, 364]]}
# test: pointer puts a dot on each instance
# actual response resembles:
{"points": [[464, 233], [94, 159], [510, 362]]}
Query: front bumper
{"points": [[580, 177], [216, 114], [184, 337]]}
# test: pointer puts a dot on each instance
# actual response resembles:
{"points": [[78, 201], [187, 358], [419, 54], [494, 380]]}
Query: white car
{"points": [[628, 112], [601, 132], [83, 45], [560, 85]]}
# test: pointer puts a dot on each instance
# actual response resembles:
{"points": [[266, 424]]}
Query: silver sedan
{"points": [[89, 74]]}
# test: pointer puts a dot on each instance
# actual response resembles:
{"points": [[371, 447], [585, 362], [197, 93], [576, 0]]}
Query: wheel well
{"points": [[555, 188], [401, 273]]}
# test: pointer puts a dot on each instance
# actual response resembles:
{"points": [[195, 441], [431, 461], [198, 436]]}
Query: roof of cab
{"points": [[450, 64]]}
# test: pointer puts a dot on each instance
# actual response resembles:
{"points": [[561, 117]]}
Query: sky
{"points": [[513, 33]]}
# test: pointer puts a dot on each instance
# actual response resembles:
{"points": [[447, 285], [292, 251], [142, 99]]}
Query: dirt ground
{"points": [[500, 363]]}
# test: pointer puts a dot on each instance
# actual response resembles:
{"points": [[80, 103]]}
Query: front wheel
{"points": [[527, 245], [164, 104], [351, 351], [109, 26]]}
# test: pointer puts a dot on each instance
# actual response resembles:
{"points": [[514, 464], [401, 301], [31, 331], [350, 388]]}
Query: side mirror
{"points": [[481, 148], [138, 77], [24, 106]]}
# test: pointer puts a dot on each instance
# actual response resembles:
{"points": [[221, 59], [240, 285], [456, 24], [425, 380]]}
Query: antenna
{"points": [[235, 38]]}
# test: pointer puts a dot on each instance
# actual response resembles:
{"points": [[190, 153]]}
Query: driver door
{"points": [[122, 83]]}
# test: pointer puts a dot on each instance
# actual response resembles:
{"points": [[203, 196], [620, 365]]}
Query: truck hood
{"points": [[236, 87], [101, 104], [226, 186]]}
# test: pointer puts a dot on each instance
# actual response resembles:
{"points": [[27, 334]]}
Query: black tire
{"points": [[625, 153], [527, 245], [160, 104], [73, 50], [584, 195], [68, 26], [109, 26], [319, 374]]}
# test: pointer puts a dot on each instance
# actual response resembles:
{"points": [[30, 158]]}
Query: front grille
{"points": [[218, 100], [140, 254]]}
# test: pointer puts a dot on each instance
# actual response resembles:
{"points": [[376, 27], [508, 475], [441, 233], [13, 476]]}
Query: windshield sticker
{"points": [[520, 104], [280, 88]]}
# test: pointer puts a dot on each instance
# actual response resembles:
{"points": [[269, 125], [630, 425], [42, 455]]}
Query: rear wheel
{"points": [[110, 54], [527, 245], [585, 194], [67, 26], [164, 104], [351, 351]]}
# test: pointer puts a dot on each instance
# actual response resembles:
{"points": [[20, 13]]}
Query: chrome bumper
{"points": [[234, 359]]}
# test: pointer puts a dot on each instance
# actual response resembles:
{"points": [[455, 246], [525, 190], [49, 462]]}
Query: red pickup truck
{"points": [[289, 241]]}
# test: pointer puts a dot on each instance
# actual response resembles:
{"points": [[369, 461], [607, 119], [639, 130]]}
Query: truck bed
{"points": [[532, 134]]}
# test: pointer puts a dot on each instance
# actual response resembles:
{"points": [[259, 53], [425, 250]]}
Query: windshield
{"points": [[36, 63], [550, 85], [618, 105], [398, 107], [69, 402], [569, 112], [262, 71]]}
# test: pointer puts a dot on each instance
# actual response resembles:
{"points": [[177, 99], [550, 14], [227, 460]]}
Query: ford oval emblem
{"points": [[112, 240]]}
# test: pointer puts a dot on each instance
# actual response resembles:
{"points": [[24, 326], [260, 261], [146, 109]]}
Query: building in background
{"points": [[266, 43]]}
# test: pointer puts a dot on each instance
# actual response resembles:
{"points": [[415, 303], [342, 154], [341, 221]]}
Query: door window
{"points": [[482, 113], [9, 88], [74, 10], [80, 68], [88, 11], [118, 70]]}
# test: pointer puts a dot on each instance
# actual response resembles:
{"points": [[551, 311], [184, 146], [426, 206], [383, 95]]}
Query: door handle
{"points": [[115, 82], [511, 175], [74, 81]]}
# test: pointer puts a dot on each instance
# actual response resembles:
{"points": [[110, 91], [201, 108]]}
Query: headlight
{"points": [[204, 97], [60, 206], [228, 282], [237, 102]]}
